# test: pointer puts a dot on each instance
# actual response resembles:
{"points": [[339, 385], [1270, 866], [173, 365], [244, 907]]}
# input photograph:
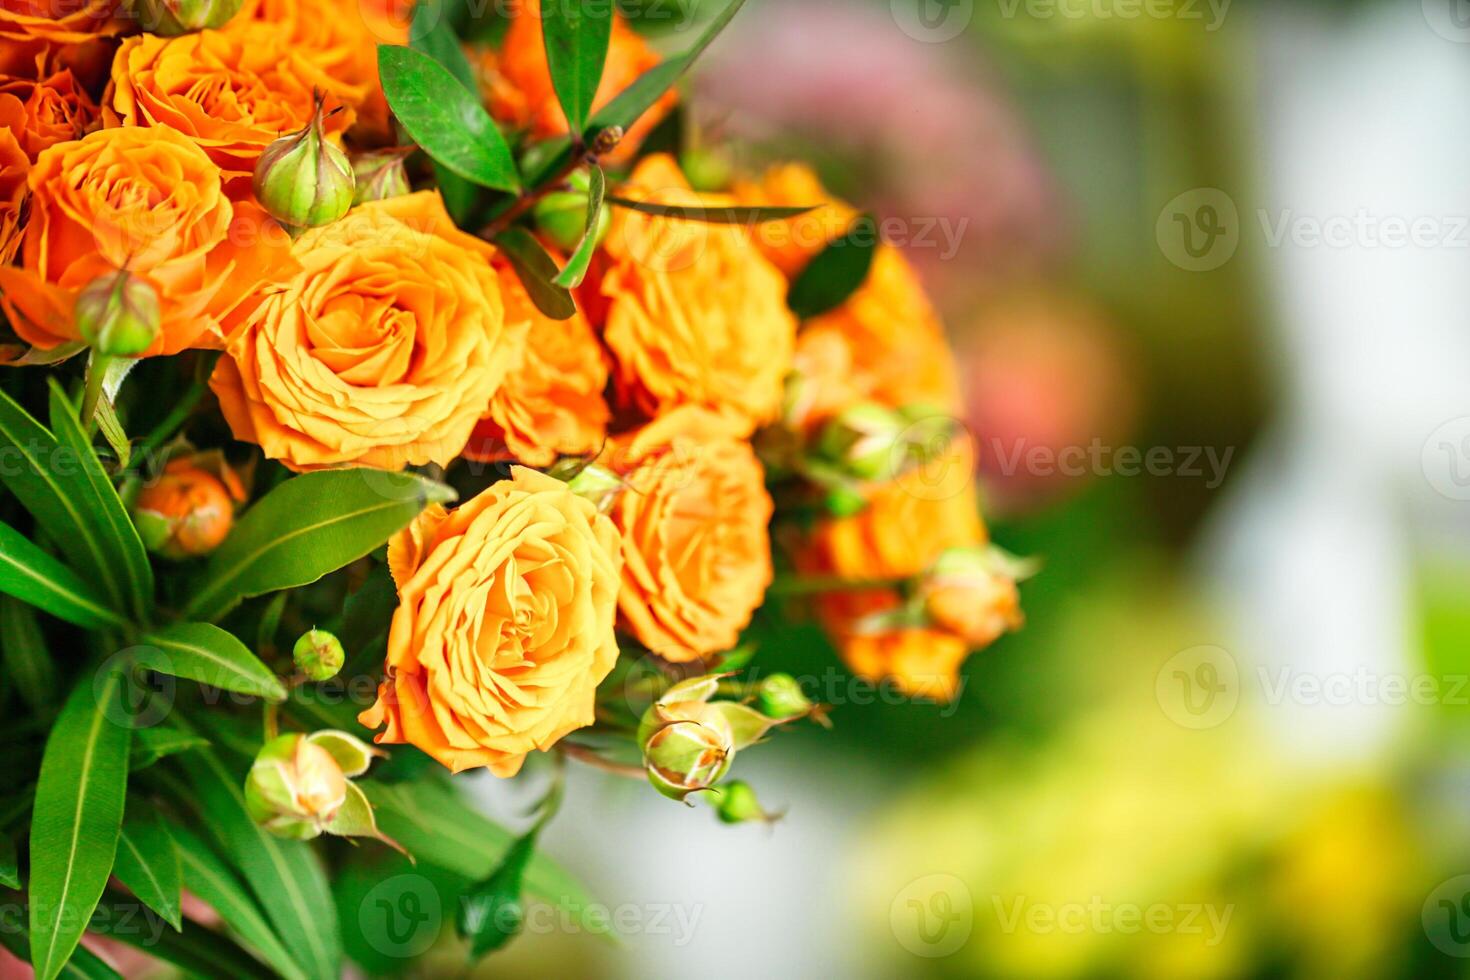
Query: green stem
{"points": [[96, 374]]}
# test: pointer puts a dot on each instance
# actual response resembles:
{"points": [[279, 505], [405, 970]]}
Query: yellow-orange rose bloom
{"points": [[14, 166], [516, 80], [149, 201], [504, 626], [695, 315], [232, 92], [45, 112], [551, 404], [922, 663], [792, 243], [38, 37], [383, 351], [696, 549]]}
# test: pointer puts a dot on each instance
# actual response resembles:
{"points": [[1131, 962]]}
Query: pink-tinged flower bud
{"points": [[303, 180], [318, 654], [562, 215], [295, 788], [971, 593], [861, 441], [118, 315], [173, 17], [379, 176]]}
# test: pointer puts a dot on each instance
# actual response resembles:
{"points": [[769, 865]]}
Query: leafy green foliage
{"points": [[78, 817], [576, 37], [537, 272], [732, 215], [34, 577], [208, 654], [431, 33], [445, 119], [493, 912], [305, 528], [836, 272], [23, 651], [148, 861], [576, 269]]}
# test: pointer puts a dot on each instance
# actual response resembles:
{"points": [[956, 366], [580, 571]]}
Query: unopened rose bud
{"points": [[845, 502], [597, 484], [379, 176], [173, 17], [188, 511], [562, 215], [708, 170], [688, 756], [971, 592], [736, 802], [303, 180], [861, 440], [318, 654], [118, 315], [780, 696], [295, 787]]}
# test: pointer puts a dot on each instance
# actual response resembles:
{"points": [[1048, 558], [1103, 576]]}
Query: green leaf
{"points": [[34, 577], [438, 826], [287, 878], [537, 272], [9, 862], [308, 527], [210, 655], [208, 877], [27, 660], [104, 509], [492, 912], [77, 818], [576, 37], [83, 965], [432, 34], [741, 215], [445, 119], [836, 273], [639, 97], [148, 862], [571, 277], [159, 742], [47, 479], [197, 951]]}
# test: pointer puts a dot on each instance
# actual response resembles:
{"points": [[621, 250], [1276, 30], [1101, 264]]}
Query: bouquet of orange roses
{"points": [[395, 393]]}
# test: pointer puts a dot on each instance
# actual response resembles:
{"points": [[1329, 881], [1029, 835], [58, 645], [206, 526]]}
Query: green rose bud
{"points": [[173, 17], [709, 171], [688, 756], [735, 802], [295, 788], [379, 176], [780, 696], [318, 654], [845, 502], [562, 215], [118, 315], [304, 181], [861, 441], [597, 484]]}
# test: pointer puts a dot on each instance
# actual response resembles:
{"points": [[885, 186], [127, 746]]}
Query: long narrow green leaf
{"points": [[205, 653], [9, 862], [197, 951], [734, 215], [104, 507], [431, 33], [45, 478], [576, 269], [638, 98], [83, 965], [285, 876], [308, 527], [444, 119], [576, 36], [34, 577], [159, 742], [77, 818], [537, 272], [836, 272], [208, 877], [148, 861], [23, 648]]}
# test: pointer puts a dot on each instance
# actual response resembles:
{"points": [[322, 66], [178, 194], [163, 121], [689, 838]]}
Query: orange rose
{"points": [[551, 404], [696, 550], [922, 663], [384, 350], [232, 92], [695, 314], [44, 113], [14, 166], [339, 40], [504, 626], [793, 243], [516, 81], [38, 37], [147, 200]]}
